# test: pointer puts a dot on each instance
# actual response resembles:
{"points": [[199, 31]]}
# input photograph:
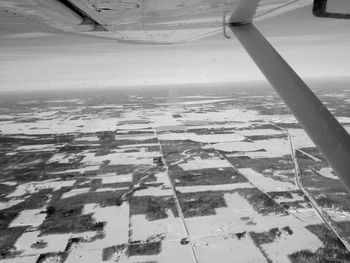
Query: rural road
{"points": [[313, 202], [195, 257]]}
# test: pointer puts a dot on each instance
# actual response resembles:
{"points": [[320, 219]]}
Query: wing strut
{"points": [[322, 127]]}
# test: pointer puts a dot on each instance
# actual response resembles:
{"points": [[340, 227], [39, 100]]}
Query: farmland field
{"points": [[142, 176]]}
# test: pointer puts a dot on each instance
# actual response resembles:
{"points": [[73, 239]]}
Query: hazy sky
{"points": [[315, 47]]}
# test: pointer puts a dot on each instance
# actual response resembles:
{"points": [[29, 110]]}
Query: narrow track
{"points": [[195, 257]]}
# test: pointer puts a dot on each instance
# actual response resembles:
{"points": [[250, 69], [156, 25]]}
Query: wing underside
{"points": [[147, 21]]}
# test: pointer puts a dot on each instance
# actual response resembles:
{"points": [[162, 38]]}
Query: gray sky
{"points": [[315, 47]]}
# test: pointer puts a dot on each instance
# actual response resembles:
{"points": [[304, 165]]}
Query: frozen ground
{"points": [[233, 219], [265, 183], [149, 178], [327, 172], [199, 163], [34, 187], [208, 188]]}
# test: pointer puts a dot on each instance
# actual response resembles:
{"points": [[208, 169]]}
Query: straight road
{"points": [[195, 257]]}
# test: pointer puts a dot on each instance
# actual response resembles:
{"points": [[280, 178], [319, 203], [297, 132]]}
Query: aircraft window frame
{"points": [[320, 10]]}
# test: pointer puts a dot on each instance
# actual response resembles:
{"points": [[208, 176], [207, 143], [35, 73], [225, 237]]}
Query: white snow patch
{"points": [[110, 189], [135, 126], [343, 119], [259, 132], [224, 125], [300, 138], [337, 214], [75, 192], [112, 178], [284, 119], [141, 157], [202, 96], [195, 102], [93, 168], [199, 163], [31, 217], [9, 183], [273, 148], [107, 106], [166, 121], [81, 254], [210, 138], [215, 138], [232, 219], [116, 229], [154, 191], [220, 249], [264, 183], [217, 187], [171, 227], [65, 101], [233, 147], [301, 239], [327, 172], [38, 147], [178, 136], [136, 146], [239, 115], [21, 259], [34, 187], [55, 243], [59, 125], [307, 215], [137, 137]]}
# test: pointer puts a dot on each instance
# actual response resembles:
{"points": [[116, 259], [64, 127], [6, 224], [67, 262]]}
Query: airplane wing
{"points": [[140, 21]]}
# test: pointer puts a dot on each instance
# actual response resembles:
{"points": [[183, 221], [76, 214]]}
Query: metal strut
{"points": [[225, 25], [322, 127]]}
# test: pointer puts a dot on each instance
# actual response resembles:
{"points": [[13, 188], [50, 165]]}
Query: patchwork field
{"points": [[138, 176]]}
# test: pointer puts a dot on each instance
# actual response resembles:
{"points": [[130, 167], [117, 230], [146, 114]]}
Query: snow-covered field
{"points": [[170, 228], [40, 147], [209, 188], [199, 163], [154, 191], [116, 230], [115, 158], [112, 178], [34, 187], [327, 172], [271, 148], [233, 219], [337, 215], [58, 125], [264, 183], [75, 192], [32, 217], [96, 160], [218, 248]]}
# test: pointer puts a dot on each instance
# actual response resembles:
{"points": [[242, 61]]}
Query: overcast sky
{"points": [[315, 47]]}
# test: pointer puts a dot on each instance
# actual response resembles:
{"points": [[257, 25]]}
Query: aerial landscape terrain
{"points": [[218, 174]]}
